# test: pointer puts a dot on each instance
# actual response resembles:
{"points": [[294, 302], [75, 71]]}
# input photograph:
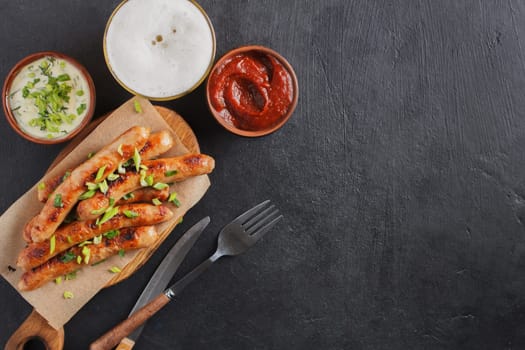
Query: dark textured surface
{"points": [[400, 176]]}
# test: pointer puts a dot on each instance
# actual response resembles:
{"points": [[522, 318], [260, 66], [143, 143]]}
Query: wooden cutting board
{"points": [[35, 325]]}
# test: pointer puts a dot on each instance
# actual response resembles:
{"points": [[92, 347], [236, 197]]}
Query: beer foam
{"points": [[159, 48]]}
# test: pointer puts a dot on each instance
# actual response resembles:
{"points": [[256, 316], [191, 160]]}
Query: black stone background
{"points": [[400, 176]]}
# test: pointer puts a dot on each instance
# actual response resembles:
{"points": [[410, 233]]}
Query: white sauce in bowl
{"points": [[159, 48], [57, 115]]}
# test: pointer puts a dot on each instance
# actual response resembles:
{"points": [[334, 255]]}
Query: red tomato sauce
{"points": [[252, 91]]}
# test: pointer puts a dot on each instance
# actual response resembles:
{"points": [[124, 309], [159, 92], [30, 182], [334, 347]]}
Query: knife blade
{"points": [[163, 274]]}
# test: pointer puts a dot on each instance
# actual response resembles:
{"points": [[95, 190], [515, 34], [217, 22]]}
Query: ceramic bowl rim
{"points": [[253, 133]]}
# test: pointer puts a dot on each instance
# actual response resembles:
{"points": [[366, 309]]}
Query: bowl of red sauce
{"points": [[252, 91]]}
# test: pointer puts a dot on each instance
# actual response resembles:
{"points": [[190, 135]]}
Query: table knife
{"points": [[163, 274]]}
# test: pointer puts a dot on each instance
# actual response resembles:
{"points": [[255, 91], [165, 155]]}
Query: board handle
{"points": [[35, 326]]}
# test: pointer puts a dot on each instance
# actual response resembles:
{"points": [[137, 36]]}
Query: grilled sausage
{"points": [[145, 195], [128, 239], [47, 187], [66, 194], [156, 145], [79, 231], [162, 170]]}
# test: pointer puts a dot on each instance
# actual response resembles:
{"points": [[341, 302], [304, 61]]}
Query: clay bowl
{"points": [[12, 75], [257, 50]]}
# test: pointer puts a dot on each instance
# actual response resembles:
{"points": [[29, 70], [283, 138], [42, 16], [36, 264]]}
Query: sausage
{"points": [[66, 194], [185, 166], [156, 145], [145, 195], [26, 231], [47, 187], [129, 238], [71, 234]]}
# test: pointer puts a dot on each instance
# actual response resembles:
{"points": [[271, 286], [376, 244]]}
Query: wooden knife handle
{"points": [[35, 326], [113, 336]]}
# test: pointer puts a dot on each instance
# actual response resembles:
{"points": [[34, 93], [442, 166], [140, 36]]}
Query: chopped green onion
{"points": [[50, 99], [63, 77], [111, 234], [66, 175], [79, 259], [173, 198], [128, 196], [130, 214], [68, 295], [143, 167], [67, 257], [160, 186], [121, 252], [170, 173], [98, 211], [87, 254], [58, 280], [92, 186], [100, 173], [119, 150], [103, 186], [97, 239], [136, 159], [42, 186], [52, 244], [81, 108], [149, 180], [156, 201], [69, 240], [85, 243], [71, 275], [111, 212], [113, 176], [138, 107], [80, 93], [87, 194], [111, 201], [57, 203], [121, 169], [143, 182], [90, 154], [115, 269]]}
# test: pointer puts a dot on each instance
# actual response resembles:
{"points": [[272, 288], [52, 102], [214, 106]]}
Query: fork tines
{"points": [[258, 220]]}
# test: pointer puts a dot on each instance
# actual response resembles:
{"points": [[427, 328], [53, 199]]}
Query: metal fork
{"points": [[234, 239]]}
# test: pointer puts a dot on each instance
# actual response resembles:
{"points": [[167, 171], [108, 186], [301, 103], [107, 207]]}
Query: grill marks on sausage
{"points": [[49, 218], [186, 166], [129, 239], [79, 231]]}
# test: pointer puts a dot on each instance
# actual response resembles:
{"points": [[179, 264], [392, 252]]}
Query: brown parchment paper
{"points": [[48, 300]]}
